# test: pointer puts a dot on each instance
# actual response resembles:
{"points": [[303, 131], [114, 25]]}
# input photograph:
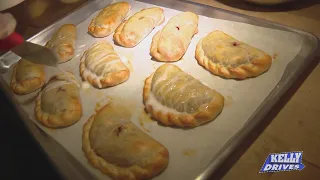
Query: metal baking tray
{"points": [[70, 168]]}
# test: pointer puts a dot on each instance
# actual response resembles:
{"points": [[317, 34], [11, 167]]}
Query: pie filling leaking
{"points": [[228, 51]]}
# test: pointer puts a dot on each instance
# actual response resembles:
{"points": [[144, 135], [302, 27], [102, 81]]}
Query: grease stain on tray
{"points": [[144, 119], [85, 86], [228, 101], [126, 58], [125, 102], [154, 65], [189, 152], [29, 100], [129, 65], [80, 49], [274, 56], [90, 91], [100, 94], [102, 102]]}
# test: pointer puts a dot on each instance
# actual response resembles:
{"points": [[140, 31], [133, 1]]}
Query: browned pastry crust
{"points": [[27, 77], [102, 67], [169, 115], [108, 19], [63, 42], [58, 104], [137, 27], [119, 149], [171, 43], [227, 57]]}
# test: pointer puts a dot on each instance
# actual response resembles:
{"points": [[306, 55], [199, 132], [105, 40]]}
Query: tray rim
{"points": [[69, 171]]}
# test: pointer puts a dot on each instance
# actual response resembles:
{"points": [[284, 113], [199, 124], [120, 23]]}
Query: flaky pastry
{"points": [[174, 97], [227, 57], [171, 43], [132, 31], [58, 104], [108, 19], [118, 148], [101, 66], [63, 42], [27, 77]]}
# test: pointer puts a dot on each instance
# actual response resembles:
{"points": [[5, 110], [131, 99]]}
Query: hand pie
{"points": [[134, 30], [119, 149], [63, 42], [27, 77], [102, 67], [108, 19], [174, 97], [227, 57], [58, 103], [171, 43]]}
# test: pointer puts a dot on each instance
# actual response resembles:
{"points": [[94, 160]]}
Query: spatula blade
{"points": [[36, 53]]}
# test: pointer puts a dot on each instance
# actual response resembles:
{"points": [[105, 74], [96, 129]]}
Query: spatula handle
{"points": [[10, 41]]}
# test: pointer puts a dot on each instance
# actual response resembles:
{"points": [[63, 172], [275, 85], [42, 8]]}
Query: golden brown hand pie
{"points": [[171, 43], [138, 26], [119, 149], [27, 77], [174, 97], [225, 56], [63, 42], [102, 67], [58, 103], [108, 19]]}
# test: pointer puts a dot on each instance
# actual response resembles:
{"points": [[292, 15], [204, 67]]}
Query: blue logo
{"points": [[284, 161]]}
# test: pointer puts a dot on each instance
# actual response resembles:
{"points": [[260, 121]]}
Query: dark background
{"points": [[21, 157]]}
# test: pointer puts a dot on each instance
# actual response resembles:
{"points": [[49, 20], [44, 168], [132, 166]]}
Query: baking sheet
{"points": [[190, 150]]}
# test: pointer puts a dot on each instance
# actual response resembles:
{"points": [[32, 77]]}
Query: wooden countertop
{"points": [[293, 125]]}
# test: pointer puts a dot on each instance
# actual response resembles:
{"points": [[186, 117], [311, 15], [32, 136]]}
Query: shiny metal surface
{"points": [[30, 52], [71, 169]]}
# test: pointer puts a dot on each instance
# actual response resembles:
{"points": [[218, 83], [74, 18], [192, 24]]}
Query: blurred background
{"points": [[34, 15]]}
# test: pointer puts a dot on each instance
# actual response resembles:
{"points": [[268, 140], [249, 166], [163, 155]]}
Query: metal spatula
{"points": [[40, 54], [30, 52]]}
